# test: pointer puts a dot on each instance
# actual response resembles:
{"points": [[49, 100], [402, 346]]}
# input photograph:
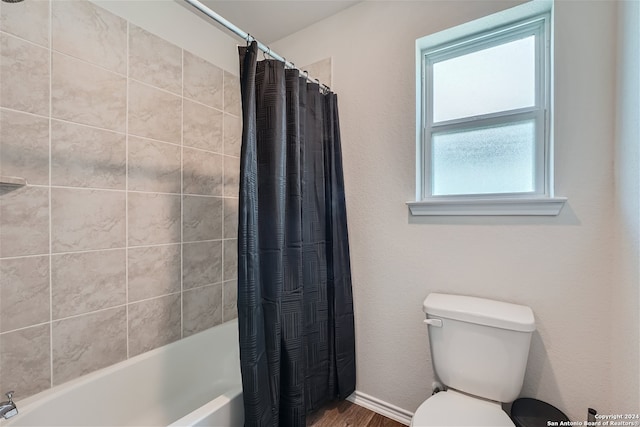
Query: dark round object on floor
{"points": [[527, 412]]}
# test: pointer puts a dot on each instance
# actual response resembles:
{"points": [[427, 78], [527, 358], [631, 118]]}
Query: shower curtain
{"points": [[295, 306]]}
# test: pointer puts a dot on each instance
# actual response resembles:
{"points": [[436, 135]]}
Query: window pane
{"points": [[486, 81], [481, 161]]}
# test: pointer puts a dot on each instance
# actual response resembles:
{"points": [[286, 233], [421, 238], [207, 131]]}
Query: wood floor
{"points": [[347, 414]]}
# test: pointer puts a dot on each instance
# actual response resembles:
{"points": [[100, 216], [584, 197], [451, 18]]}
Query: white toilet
{"points": [[479, 349]]}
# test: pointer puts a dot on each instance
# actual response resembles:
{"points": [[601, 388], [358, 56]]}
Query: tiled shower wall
{"points": [[124, 238]]}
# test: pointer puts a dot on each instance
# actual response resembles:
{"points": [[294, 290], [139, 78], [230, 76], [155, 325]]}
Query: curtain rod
{"points": [[249, 38]]}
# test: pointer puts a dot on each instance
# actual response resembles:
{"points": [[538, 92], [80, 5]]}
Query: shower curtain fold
{"points": [[295, 307]]}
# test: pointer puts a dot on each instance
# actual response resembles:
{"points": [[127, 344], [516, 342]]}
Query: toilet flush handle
{"points": [[434, 322]]}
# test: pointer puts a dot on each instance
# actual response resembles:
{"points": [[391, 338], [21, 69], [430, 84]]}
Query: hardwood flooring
{"points": [[347, 414]]}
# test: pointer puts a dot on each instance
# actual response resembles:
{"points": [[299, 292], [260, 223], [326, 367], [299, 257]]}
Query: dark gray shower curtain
{"points": [[295, 306]]}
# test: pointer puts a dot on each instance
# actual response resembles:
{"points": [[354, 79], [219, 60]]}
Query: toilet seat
{"points": [[452, 408]]}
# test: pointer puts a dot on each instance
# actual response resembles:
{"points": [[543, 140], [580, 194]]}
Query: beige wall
{"points": [[124, 238], [560, 266], [625, 328]]}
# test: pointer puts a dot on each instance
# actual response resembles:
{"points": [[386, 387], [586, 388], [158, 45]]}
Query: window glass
{"points": [[490, 160], [498, 78]]}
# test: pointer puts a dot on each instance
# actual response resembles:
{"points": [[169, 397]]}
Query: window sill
{"points": [[530, 206]]}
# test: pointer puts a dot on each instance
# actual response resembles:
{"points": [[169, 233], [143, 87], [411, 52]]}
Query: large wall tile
{"points": [[28, 20], [24, 146], [87, 281], [153, 271], [86, 343], [232, 97], [230, 299], [202, 127], [125, 237], [24, 292], [202, 309], [25, 361], [82, 156], [230, 218], [230, 259], [25, 76], [88, 32], [153, 219], [231, 176], [203, 81], [154, 113], [202, 218], [87, 219], [201, 263], [24, 221], [84, 93], [153, 166], [154, 61], [153, 323], [202, 172], [232, 135]]}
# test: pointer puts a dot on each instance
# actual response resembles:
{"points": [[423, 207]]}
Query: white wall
{"points": [[560, 266], [625, 332]]}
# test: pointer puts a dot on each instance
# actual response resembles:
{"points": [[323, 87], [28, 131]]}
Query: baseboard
{"points": [[381, 407]]}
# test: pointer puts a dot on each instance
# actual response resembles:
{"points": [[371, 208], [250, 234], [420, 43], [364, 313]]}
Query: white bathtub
{"points": [[191, 382]]}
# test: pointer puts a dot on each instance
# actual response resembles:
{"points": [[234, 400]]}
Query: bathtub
{"points": [[191, 382]]}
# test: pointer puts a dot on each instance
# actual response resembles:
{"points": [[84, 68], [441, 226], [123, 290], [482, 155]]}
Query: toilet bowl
{"points": [[452, 408], [479, 350]]}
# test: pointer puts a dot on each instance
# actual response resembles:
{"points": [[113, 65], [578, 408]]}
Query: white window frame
{"points": [[534, 19]]}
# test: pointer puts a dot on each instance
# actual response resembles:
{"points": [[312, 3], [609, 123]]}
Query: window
{"points": [[484, 118]]}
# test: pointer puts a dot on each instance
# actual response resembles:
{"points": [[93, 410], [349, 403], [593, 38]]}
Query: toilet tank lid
{"points": [[481, 311]]}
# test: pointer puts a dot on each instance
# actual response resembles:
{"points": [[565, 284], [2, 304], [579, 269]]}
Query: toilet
{"points": [[479, 350]]}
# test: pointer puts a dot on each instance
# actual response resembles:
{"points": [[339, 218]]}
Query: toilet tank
{"points": [[479, 346]]}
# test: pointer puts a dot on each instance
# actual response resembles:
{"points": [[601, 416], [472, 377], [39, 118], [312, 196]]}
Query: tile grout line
{"points": [[84, 251], [195, 101], [50, 196], [224, 130], [103, 129], [126, 198], [27, 113], [100, 310], [182, 195], [22, 39], [66, 187]]}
